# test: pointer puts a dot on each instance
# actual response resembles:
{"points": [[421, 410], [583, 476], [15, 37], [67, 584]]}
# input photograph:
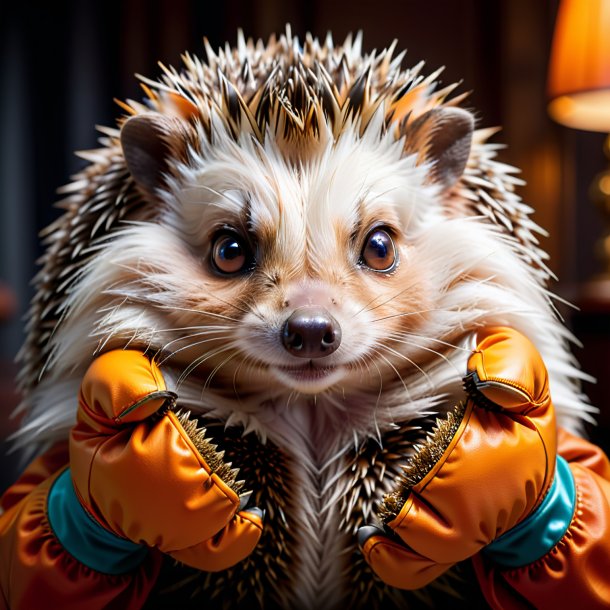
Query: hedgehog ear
{"points": [[443, 138], [149, 142]]}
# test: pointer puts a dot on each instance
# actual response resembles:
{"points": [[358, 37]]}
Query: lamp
{"points": [[579, 87]]}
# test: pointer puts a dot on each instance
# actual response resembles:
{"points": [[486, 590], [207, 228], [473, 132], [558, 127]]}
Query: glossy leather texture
{"points": [[36, 573], [535, 536], [83, 537], [494, 473], [142, 478], [575, 573]]}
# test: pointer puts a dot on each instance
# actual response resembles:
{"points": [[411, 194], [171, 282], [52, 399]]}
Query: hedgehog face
{"points": [[307, 276], [264, 271], [326, 260]]}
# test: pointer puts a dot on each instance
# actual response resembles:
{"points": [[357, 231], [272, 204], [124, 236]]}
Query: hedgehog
{"points": [[243, 185]]}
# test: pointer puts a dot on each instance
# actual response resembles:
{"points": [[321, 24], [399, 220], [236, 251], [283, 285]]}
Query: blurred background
{"points": [[63, 62]]}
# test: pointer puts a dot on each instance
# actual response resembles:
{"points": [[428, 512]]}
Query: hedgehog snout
{"points": [[311, 332]]}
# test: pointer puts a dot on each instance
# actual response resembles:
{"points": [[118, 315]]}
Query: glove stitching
{"points": [[430, 476], [224, 489], [421, 462]]}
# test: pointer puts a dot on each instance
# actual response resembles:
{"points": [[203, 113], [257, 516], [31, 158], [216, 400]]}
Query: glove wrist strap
{"points": [[534, 537], [85, 539]]}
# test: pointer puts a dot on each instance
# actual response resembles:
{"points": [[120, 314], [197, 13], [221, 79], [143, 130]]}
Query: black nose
{"points": [[311, 332]]}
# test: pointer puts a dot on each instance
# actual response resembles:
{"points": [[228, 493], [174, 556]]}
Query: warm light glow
{"points": [[604, 185], [589, 110], [579, 70], [606, 246]]}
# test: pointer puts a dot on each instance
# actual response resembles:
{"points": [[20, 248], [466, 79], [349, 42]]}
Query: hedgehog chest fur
{"points": [[316, 494]]}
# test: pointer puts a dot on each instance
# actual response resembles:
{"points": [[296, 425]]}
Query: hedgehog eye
{"points": [[379, 252], [230, 254]]}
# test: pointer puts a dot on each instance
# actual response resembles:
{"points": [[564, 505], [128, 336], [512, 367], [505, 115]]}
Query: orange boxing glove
{"points": [[488, 468], [154, 481], [141, 478]]}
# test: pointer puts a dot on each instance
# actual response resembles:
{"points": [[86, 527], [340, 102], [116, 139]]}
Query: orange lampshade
{"points": [[579, 69]]}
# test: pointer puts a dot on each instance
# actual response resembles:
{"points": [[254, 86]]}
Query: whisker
{"points": [[427, 349], [408, 313], [117, 331], [200, 360], [452, 345], [250, 363], [376, 407], [409, 287], [136, 330], [111, 311], [365, 308], [242, 309], [205, 187], [395, 370], [190, 345], [411, 362], [144, 281], [180, 328], [216, 369], [201, 312], [237, 369], [204, 331], [291, 396]]}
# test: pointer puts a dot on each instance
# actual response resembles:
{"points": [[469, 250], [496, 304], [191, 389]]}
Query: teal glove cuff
{"points": [[85, 539], [534, 537]]}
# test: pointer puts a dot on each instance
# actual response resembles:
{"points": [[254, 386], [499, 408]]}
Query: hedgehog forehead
{"points": [[352, 182]]}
